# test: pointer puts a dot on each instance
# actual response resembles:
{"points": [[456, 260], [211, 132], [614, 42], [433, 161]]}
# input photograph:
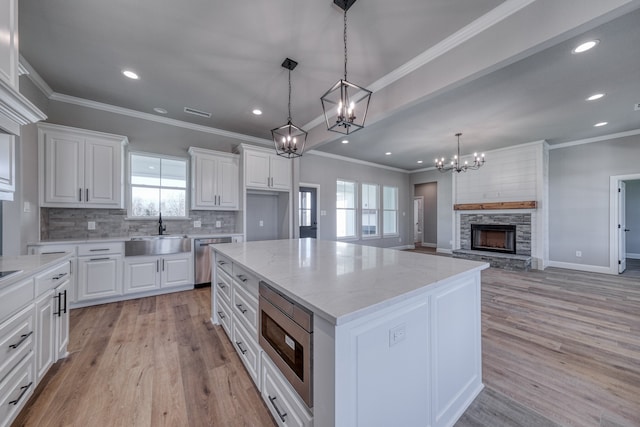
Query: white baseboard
{"points": [[580, 267], [429, 245], [444, 251], [633, 256]]}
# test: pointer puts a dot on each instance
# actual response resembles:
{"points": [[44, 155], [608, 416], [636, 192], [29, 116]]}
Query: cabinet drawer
{"points": [[16, 340], [50, 279], [15, 390], [96, 249], [224, 263], [248, 350], [15, 297], [285, 405], [224, 315], [246, 279], [245, 307], [52, 249], [224, 284]]}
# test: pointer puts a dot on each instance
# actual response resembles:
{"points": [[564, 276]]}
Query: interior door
{"points": [[307, 202], [417, 220], [622, 228]]}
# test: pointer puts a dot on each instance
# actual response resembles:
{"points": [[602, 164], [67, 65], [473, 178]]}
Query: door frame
{"points": [[317, 187], [614, 210]]}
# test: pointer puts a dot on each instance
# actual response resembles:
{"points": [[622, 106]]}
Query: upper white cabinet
{"points": [[7, 167], [263, 169], [80, 168], [215, 180], [9, 42]]}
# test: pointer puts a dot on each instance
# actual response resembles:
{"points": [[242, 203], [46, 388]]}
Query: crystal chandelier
{"points": [[289, 139], [455, 165], [347, 101]]}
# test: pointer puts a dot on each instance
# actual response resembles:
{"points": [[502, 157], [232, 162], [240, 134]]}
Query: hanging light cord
{"points": [[345, 43], [289, 119]]}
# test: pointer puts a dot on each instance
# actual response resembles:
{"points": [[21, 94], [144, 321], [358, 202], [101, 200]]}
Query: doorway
{"points": [[418, 220], [428, 192], [624, 235], [308, 211]]}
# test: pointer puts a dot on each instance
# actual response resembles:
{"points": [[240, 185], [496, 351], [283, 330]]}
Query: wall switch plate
{"points": [[27, 207], [197, 224], [579, 254], [397, 334], [218, 224], [91, 225], [323, 213]]}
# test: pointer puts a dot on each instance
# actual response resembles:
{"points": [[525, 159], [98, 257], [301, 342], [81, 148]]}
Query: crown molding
{"points": [[595, 139], [16, 110], [151, 117], [461, 36], [35, 78], [356, 161]]}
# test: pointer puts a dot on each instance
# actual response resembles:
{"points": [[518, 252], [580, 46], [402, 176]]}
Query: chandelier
{"points": [[455, 164], [289, 139], [347, 101]]}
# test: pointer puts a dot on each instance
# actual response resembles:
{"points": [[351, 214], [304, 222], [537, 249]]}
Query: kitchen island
{"points": [[396, 335]]}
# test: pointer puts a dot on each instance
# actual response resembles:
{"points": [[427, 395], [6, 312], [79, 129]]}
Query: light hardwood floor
{"points": [[558, 347]]}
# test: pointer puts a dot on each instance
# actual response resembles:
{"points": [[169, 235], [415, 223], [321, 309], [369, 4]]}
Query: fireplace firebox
{"points": [[494, 238]]}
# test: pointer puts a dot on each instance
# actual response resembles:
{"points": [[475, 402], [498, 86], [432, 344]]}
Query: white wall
{"points": [[579, 198]]}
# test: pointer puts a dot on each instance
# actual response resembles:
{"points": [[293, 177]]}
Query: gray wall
{"points": [[262, 207], [444, 204], [633, 217], [324, 171], [429, 193], [579, 197]]}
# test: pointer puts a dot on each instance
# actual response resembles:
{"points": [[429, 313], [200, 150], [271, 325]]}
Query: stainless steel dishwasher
{"points": [[202, 259]]}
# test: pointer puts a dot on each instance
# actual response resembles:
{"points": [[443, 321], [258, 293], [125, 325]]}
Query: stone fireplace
{"points": [[518, 223], [493, 237]]}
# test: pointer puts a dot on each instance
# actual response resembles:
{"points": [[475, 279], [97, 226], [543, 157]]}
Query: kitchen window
{"points": [[158, 186], [370, 209], [390, 211], [345, 209]]}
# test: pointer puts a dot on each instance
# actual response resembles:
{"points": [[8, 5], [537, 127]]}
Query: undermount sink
{"points": [[157, 245]]}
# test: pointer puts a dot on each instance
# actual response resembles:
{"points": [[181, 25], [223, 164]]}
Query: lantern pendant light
{"points": [[289, 139], [345, 105]]}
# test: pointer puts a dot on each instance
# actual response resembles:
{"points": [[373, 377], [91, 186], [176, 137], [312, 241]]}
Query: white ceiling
{"points": [[499, 71]]}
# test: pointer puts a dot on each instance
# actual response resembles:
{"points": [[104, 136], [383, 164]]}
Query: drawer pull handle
{"points": [[222, 263], [280, 414], [241, 308], [242, 350], [59, 276], [221, 315], [242, 277], [98, 250], [22, 339], [24, 389], [221, 285]]}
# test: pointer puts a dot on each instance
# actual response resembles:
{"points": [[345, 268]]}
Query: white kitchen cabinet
{"points": [[61, 319], [264, 169], [215, 180], [148, 273], [285, 405], [80, 168], [44, 334], [7, 166], [99, 276], [9, 42]]}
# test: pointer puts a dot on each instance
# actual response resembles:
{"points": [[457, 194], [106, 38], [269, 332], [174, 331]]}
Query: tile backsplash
{"points": [[63, 223]]}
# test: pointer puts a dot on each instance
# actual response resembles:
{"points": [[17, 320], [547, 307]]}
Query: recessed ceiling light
{"points": [[130, 74], [595, 96], [345, 141], [388, 153], [257, 111], [420, 161], [597, 125], [160, 110], [585, 46]]}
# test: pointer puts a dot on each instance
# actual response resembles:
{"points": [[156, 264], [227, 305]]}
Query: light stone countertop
{"points": [[28, 265], [343, 281], [73, 241]]}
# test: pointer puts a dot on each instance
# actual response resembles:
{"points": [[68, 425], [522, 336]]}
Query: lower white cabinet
{"points": [[147, 273], [285, 406], [99, 277], [44, 334], [61, 319], [248, 349], [15, 390]]}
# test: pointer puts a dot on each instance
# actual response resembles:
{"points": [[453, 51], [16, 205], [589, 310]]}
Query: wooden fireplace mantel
{"points": [[526, 204]]}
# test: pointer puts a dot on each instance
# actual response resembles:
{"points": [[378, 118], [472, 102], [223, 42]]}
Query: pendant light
{"points": [[289, 139], [455, 165], [345, 105]]}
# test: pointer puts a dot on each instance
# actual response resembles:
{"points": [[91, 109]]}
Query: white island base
{"points": [[397, 336]]}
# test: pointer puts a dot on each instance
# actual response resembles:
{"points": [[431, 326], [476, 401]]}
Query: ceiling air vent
{"points": [[197, 112]]}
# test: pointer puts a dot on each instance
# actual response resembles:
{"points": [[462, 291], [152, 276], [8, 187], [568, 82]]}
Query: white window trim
{"points": [[377, 209], [397, 209], [355, 209], [187, 199]]}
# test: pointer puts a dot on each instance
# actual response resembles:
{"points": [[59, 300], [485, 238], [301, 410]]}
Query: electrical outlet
{"points": [[218, 224], [27, 207], [636, 107], [91, 225], [323, 213], [261, 223], [197, 224], [397, 334], [579, 254]]}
